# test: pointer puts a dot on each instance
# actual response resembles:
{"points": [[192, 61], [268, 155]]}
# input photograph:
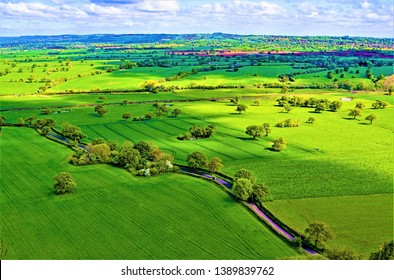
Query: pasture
{"points": [[356, 221], [337, 170], [114, 215]]}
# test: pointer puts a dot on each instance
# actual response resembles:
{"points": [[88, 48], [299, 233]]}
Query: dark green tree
{"points": [[126, 116], [100, 110], [355, 113], [128, 156], [360, 105], [279, 144], [197, 160], [64, 183], [246, 174], [320, 106], [335, 105], [318, 234], [176, 112], [371, 118], [242, 188], [260, 192], [143, 148], [311, 120], [241, 108], [254, 131], [72, 132], [215, 164]]}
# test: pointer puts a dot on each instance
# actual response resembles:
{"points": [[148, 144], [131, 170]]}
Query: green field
{"points": [[114, 215], [338, 170], [356, 221]]}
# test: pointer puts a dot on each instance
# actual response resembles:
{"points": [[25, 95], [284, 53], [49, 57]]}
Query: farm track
{"points": [[253, 206]]}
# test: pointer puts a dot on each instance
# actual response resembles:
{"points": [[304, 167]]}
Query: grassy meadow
{"points": [[114, 215], [337, 170]]}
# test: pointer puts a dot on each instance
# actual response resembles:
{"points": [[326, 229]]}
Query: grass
{"points": [[359, 222], [337, 170], [138, 218], [361, 162]]}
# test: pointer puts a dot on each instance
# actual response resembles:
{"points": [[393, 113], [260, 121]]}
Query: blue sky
{"points": [[269, 17]]}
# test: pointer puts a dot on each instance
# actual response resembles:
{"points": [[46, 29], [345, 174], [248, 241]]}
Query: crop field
{"points": [[135, 218], [337, 169], [374, 212]]}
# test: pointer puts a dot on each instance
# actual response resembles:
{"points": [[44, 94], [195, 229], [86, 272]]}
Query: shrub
{"points": [[279, 144]]}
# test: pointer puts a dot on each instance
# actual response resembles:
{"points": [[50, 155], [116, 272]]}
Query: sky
{"points": [[369, 18]]}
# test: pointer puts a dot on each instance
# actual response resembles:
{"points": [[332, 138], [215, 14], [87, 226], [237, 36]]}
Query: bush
{"points": [[288, 123], [279, 144]]}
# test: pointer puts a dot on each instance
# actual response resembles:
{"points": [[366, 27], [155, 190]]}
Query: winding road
{"points": [[252, 206]]}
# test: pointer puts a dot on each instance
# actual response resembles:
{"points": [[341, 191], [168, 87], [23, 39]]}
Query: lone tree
{"points": [[360, 105], [242, 188], [126, 116], [241, 108], [64, 183], [267, 128], [386, 252], [254, 131], [176, 112], [279, 144], [311, 120], [197, 160], [99, 109], [371, 118], [355, 113], [318, 234]]}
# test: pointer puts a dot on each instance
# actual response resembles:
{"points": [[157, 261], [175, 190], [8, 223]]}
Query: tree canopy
{"points": [[197, 160], [254, 131], [318, 234], [241, 108], [72, 132], [64, 183]]}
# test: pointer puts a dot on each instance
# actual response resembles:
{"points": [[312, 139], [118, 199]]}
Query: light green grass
{"points": [[359, 222], [114, 215]]}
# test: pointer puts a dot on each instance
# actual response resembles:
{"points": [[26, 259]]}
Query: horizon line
{"points": [[193, 33]]}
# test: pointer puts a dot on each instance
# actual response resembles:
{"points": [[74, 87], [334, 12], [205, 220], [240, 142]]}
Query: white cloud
{"points": [[170, 6], [365, 5], [96, 10], [236, 7]]}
